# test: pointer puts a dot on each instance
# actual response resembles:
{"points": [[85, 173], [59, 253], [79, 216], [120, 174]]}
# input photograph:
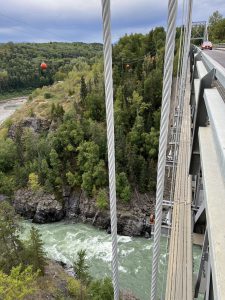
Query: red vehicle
{"points": [[206, 45]]}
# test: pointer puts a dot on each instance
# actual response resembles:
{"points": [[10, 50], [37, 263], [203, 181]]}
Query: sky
{"points": [[80, 20]]}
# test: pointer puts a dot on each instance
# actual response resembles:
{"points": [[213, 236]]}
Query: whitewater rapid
{"points": [[62, 242]]}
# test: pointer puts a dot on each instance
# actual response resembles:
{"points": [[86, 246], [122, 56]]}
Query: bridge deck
{"points": [[179, 276]]}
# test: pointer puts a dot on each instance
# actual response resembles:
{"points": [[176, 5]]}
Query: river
{"points": [[62, 241], [8, 107]]}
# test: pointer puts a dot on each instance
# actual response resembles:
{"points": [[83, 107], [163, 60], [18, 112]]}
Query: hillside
{"points": [[20, 63], [71, 148]]}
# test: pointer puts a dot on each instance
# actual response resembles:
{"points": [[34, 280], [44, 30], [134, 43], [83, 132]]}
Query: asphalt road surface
{"points": [[217, 55]]}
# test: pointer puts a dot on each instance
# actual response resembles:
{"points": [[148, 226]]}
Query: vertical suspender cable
{"points": [[110, 138], [179, 66], [164, 123]]}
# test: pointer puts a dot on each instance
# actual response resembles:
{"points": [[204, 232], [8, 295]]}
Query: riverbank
{"points": [[9, 106], [15, 94], [76, 206]]}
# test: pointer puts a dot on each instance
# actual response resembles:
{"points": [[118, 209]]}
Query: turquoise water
{"points": [[62, 241]]}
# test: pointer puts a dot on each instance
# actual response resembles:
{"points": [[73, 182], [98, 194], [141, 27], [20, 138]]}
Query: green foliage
{"points": [[217, 27], [123, 187], [11, 248], [101, 289], [57, 112], [74, 152], [7, 184], [83, 89], [13, 251], [36, 254], [47, 95], [86, 288], [18, 284], [7, 154], [215, 18], [81, 267], [33, 182], [92, 168], [20, 63], [102, 199], [76, 289]]}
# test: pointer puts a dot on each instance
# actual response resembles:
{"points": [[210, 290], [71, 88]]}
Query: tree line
{"points": [[20, 63]]}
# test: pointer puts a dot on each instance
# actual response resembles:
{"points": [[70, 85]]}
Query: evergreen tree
{"points": [[81, 267], [83, 89], [36, 253], [123, 187], [11, 248]]}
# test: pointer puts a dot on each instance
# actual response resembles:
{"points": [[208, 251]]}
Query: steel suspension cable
{"points": [[164, 122], [177, 95], [181, 88], [110, 138], [183, 78], [179, 66]]}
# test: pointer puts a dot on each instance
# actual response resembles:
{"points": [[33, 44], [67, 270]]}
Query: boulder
{"points": [[130, 225], [39, 206]]}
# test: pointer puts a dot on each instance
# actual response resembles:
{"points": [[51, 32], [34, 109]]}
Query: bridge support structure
{"points": [[207, 167]]}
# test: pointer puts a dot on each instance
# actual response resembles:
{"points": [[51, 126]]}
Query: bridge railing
{"points": [[211, 64], [207, 167], [219, 46]]}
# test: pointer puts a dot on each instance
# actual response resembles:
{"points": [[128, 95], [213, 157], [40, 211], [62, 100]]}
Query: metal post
{"points": [[202, 263], [110, 138], [164, 122]]}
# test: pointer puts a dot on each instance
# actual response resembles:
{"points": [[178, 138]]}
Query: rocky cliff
{"points": [[38, 205], [76, 207]]}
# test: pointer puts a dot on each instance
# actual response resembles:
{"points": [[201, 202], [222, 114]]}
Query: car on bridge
{"points": [[206, 45]]}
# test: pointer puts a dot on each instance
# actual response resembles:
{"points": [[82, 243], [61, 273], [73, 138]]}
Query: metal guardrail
{"points": [[218, 46], [211, 64], [207, 167]]}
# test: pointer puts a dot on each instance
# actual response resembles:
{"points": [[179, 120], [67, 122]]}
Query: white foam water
{"points": [[63, 241]]}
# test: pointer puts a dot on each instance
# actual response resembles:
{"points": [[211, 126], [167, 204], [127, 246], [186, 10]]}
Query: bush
{"points": [[47, 95], [18, 284], [33, 182], [123, 187], [101, 289], [102, 199], [76, 289]]}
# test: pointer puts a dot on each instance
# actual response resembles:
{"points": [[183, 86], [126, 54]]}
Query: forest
{"points": [[20, 63], [74, 153]]}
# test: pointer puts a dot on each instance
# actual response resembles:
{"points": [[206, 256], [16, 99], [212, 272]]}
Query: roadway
{"points": [[217, 55]]}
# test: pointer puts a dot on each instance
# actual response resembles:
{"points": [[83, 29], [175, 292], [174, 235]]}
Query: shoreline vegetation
{"points": [[7, 96]]}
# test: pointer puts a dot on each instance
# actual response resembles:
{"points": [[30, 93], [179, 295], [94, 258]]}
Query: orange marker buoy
{"points": [[43, 66]]}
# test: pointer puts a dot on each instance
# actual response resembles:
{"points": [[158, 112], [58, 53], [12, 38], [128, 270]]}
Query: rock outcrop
{"points": [[38, 205], [38, 125], [77, 207], [131, 218]]}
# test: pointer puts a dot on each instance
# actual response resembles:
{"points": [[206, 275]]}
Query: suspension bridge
{"points": [[197, 198]]}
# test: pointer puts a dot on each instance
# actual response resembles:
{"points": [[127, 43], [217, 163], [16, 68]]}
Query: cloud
{"points": [[79, 20]]}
